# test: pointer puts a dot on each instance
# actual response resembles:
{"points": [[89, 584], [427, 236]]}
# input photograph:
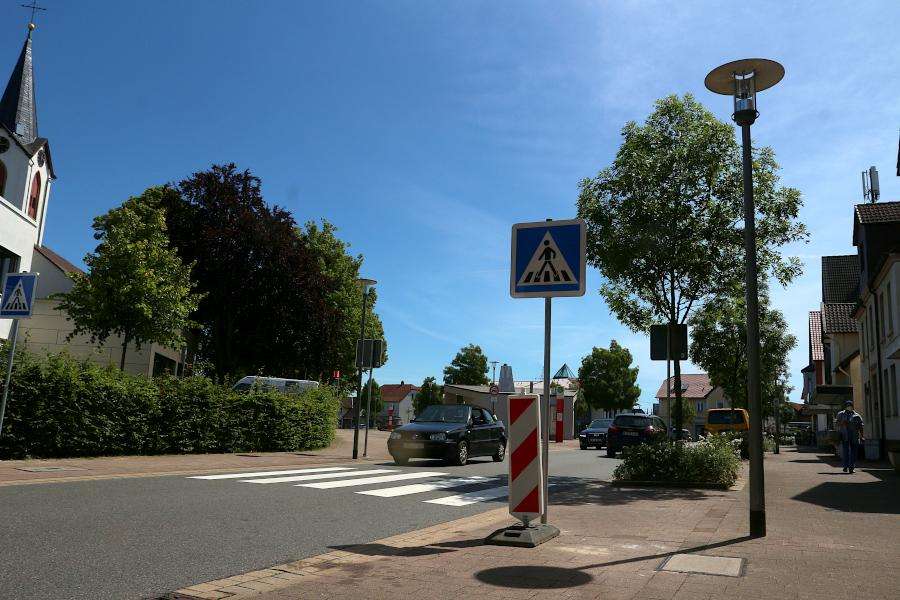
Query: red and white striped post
{"points": [[526, 497]]}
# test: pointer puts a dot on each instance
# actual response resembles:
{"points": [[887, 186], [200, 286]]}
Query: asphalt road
{"points": [[142, 537]]}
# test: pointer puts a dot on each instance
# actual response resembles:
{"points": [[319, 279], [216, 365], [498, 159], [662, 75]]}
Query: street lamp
{"points": [[742, 79], [366, 285]]}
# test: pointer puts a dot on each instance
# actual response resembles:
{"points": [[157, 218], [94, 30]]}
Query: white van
{"points": [[288, 386]]}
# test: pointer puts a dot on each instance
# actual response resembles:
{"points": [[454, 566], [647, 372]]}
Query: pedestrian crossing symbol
{"points": [[18, 296], [548, 259]]}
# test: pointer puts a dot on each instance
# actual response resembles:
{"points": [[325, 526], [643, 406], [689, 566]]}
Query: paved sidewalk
{"points": [[18, 472], [831, 536]]}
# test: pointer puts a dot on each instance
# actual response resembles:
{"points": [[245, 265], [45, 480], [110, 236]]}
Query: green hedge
{"points": [[60, 407], [713, 460]]}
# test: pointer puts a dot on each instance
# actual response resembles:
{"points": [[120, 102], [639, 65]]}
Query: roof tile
{"points": [[840, 278], [878, 212], [836, 317]]}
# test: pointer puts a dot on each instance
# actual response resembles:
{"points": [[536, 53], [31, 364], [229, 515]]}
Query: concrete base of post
{"points": [[524, 537]]}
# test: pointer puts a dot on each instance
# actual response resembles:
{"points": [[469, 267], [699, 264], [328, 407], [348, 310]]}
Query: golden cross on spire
{"points": [[34, 8]]}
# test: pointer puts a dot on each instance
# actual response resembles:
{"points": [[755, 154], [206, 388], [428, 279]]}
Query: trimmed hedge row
{"points": [[63, 407]]}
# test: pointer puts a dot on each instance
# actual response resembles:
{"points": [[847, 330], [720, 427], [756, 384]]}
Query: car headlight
{"points": [[438, 437], [582, 435], [395, 435]]}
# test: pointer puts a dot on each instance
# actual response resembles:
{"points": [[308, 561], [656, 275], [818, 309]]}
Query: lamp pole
{"points": [[365, 284], [742, 79]]}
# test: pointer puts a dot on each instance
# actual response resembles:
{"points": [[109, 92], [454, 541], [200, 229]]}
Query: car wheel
{"points": [[462, 453], [400, 460], [500, 453], [583, 446], [610, 452]]}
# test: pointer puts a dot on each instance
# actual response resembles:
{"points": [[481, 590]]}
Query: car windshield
{"points": [[600, 424], [445, 413], [632, 421], [724, 417]]}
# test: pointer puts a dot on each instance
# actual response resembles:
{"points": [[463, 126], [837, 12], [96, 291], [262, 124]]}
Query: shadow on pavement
{"points": [[533, 577], [712, 546], [855, 496]]}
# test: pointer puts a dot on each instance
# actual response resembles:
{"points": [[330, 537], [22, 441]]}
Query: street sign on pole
{"points": [[495, 391], [560, 424], [16, 303], [18, 296], [548, 259], [678, 340]]}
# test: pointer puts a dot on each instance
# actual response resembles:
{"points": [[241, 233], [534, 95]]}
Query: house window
{"points": [[2, 179], [890, 310], [862, 334], [35, 196], [720, 404], [871, 327], [699, 408]]}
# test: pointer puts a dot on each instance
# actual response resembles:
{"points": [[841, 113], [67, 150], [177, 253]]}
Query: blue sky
{"points": [[423, 130]]}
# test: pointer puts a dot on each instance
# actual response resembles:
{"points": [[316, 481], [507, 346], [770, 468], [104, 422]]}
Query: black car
{"points": [[594, 434], [633, 429], [453, 432]]}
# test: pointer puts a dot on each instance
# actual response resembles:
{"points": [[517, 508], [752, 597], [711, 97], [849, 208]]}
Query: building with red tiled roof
{"points": [[696, 389], [397, 400]]}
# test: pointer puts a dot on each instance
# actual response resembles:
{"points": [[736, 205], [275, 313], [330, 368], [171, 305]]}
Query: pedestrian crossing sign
{"points": [[548, 259], [17, 301]]}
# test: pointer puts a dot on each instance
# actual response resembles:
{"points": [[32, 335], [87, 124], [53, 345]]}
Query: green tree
{"points": [[136, 286], [334, 346], [665, 219], [719, 345], [469, 367], [376, 405], [429, 393], [608, 381]]}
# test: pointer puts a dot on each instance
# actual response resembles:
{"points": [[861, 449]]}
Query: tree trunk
{"points": [[124, 350]]}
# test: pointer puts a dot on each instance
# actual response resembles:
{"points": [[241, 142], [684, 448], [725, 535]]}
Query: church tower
{"points": [[26, 169]]}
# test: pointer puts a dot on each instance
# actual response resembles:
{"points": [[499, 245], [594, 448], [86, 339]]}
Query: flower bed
{"points": [[714, 460]]}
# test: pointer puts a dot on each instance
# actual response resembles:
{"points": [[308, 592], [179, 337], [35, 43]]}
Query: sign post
{"points": [[495, 391], [547, 259], [560, 424], [16, 303]]}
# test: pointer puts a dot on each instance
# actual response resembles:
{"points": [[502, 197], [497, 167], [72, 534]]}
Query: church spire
{"points": [[18, 112]]}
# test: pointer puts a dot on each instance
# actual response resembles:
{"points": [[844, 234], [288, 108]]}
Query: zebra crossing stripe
{"points": [[268, 473], [418, 488], [352, 473], [327, 485], [471, 497]]}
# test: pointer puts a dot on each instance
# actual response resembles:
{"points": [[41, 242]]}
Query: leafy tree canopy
{"points": [[279, 300], [429, 393], [665, 219], [608, 381], [469, 367], [377, 404], [136, 287], [719, 345]]}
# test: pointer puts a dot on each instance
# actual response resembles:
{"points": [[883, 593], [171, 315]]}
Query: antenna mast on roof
{"points": [[871, 189]]}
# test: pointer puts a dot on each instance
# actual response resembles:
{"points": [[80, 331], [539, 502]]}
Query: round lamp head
{"points": [[766, 73], [741, 79], [365, 284]]}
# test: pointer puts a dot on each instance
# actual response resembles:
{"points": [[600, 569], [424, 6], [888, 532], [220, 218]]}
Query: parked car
{"points": [[453, 432], [594, 434], [685, 435], [630, 430], [727, 419], [288, 386]]}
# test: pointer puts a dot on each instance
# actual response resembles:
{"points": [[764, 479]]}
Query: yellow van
{"points": [[727, 419]]}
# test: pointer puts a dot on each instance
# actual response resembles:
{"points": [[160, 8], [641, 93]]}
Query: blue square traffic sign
{"points": [[548, 259], [17, 301]]}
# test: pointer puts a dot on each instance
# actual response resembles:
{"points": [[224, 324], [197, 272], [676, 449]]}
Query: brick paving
{"points": [[830, 536]]}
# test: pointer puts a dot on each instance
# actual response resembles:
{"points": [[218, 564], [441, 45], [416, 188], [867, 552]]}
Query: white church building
{"points": [[26, 175]]}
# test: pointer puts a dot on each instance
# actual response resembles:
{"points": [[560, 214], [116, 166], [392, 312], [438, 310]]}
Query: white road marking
{"points": [[325, 485], [268, 473], [471, 497], [353, 473], [418, 488]]}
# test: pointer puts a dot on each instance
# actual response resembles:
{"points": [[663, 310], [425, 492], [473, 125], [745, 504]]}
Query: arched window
{"points": [[2, 179], [35, 196]]}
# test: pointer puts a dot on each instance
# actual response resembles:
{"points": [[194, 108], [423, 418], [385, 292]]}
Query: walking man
{"points": [[850, 426]]}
